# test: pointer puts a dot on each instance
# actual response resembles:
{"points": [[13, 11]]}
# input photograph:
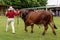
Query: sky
{"points": [[53, 2]]}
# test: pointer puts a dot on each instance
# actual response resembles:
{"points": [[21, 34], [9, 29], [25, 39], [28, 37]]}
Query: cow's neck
{"points": [[26, 13], [24, 16]]}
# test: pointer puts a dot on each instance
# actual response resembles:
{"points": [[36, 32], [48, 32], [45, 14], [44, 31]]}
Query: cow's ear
{"points": [[19, 11]]}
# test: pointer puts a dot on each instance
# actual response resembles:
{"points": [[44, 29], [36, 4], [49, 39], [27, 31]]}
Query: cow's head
{"points": [[21, 11], [24, 12]]}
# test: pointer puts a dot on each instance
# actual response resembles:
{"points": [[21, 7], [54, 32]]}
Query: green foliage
{"points": [[42, 2], [26, 3], [12, 2], [2, 2]]}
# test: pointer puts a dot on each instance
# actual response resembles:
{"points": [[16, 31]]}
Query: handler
{"points": [[10, 13]]}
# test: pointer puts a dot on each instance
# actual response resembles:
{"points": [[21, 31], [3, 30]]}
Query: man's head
{"points": [[10, 8]]}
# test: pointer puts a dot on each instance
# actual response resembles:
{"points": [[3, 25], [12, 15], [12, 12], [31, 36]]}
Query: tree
{"points": [[42, 2], [26, 3], [2, 2]]}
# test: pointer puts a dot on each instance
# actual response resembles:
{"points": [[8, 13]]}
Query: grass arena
{"points": [[22, 35]]}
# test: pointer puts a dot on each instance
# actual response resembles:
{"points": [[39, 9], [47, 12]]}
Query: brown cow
{"points": [[37, 17]]}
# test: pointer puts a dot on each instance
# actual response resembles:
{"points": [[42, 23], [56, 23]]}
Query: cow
{"points": [[38, 17]]}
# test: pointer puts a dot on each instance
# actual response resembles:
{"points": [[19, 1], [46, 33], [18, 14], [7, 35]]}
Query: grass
{"points": [[22, 35]]}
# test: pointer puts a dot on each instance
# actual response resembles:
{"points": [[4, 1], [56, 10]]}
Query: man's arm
{"points": [[6, 13]]}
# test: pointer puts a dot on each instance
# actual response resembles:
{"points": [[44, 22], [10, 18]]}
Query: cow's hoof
{"points": [[31, 31], [26, 30], [43, 33], [54, 33]]}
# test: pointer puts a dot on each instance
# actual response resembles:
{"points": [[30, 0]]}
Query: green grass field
{"points": [[22, 35]]}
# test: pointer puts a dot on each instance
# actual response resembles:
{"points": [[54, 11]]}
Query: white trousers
{"points": [[10, 21]]}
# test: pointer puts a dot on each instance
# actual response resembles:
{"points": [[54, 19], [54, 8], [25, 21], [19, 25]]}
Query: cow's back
{"points": [[39, 17]]}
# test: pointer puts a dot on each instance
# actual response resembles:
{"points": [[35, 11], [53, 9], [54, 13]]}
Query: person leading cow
{"points": [[10, 13]]}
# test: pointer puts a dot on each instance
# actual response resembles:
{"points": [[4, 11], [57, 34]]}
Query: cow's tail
{"points": [[53, 23], [51, 20], [55, 26]]}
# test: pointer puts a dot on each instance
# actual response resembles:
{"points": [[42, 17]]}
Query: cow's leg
{"points": [[32, 26], [26, 28], [45, 29], [52, 26]]}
